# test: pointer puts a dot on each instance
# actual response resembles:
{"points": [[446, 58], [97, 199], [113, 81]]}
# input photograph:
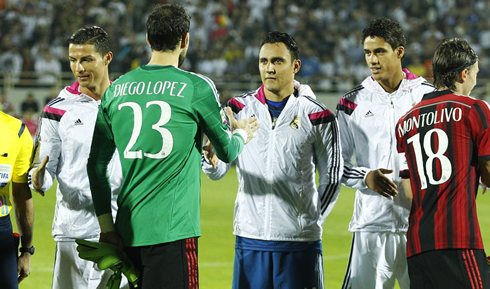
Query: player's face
{"points": [[88, 66], [470, 79], [381, 59], [277, 70]]}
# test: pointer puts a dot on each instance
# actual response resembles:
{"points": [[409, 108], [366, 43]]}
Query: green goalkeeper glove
{"points": [[106, 257]]}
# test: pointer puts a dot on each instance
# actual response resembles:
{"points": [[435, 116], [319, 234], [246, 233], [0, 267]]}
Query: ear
{"points": [[108, 57], [296, 66], [185, 41], [462, 75], [147, 40], [400, 52]]}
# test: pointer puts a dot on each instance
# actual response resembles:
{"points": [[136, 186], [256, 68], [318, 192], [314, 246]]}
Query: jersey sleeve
{"points": [[404, 172], [23, 161], [207, 106], [101, 153], [479, 123], [328, 159], [353, 176], [47, 143], [217, 173]]}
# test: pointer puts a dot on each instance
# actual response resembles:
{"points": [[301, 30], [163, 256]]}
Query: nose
{"points": [[269, 68], [372, 58], [79, 67]]}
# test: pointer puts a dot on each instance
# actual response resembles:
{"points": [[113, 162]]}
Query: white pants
{"points": [[376, 260], [72, 272]]}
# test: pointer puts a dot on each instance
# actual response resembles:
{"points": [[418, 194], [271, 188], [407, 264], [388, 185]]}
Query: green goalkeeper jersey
{"points": [[156, 116]]}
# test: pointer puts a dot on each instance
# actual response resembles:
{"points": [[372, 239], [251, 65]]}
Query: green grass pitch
{"points": [[216, 245]]}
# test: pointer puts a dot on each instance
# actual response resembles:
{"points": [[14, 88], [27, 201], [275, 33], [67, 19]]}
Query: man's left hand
{"points": [[23, 266]]}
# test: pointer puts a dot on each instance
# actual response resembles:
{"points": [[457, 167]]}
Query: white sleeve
{"points": [[328, 158], [354, 176], [214, 174], [47, 143]]}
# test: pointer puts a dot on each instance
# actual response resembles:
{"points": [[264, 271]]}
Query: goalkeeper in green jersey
{"points": [[155, 116]]}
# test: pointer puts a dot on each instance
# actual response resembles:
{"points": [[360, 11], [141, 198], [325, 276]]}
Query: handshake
{"points": [[106, 257]]}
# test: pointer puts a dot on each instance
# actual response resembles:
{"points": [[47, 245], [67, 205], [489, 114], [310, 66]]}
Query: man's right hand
{"points": [[112, 238], [378, 182], [38, 176], [249, 125], [210, 154]]}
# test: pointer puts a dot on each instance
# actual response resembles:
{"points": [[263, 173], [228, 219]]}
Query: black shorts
{"points": [[449, 268], [8, 255], [167, 265]]}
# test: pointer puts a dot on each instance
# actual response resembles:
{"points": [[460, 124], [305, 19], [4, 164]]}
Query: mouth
{"points": [[270, 78], [82, 78], [375, 70]]}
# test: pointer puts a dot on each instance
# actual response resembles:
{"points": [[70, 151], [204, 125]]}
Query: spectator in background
{"points": [[30, 121], [53, 93], [5, 105], [29, 103], [55, 20], [47, 67], [11, 61]]}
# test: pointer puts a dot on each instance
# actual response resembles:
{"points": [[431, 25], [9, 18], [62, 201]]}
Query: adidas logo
{"points": [[78, 122], [369, 114]]}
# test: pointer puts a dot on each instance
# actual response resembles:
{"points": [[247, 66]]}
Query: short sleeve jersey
{"points": [[15, 157], [155, 116], [444, 137]]}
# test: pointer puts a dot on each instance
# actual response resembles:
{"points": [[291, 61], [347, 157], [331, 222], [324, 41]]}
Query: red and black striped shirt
{"points": [[444, 137]]}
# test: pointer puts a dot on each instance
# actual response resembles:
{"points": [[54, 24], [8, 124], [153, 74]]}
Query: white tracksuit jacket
{"points": [[277, 195], [367, 118], [65, 134]]}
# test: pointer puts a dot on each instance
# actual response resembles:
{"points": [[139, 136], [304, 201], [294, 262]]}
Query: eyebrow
{"points": [[83, 57], [376, 50], [274, 58]]}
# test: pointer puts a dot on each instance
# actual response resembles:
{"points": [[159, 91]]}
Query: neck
{"points": [[165, 58], [98, 90], [391, 85], [459, 89], [280, 95]]}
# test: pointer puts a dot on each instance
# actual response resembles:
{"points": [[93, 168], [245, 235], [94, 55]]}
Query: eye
{"points": [[278, 61]]}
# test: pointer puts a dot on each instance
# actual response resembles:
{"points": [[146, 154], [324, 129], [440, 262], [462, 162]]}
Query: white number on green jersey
{"points": [[167, 138], [427, 169]]}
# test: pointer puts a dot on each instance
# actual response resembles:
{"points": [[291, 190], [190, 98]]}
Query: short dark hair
{"points": [[452, 56], [92, 35], [166, 25], [388, 29], [281, 37]]}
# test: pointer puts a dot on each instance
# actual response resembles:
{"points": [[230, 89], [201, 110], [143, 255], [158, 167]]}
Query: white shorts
{"points": [[72, 272], [376, 260]]}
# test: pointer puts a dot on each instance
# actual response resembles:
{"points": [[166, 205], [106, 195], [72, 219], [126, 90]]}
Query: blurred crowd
{"points": [[225, 34]]}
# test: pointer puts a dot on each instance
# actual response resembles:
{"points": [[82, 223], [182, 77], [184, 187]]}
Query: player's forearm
{"points": [[407, 187], [101, 153], [24, 212], [100, 186], [229, 152]]}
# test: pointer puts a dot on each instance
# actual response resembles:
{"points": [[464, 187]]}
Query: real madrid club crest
{"points": [[296, 123]]}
